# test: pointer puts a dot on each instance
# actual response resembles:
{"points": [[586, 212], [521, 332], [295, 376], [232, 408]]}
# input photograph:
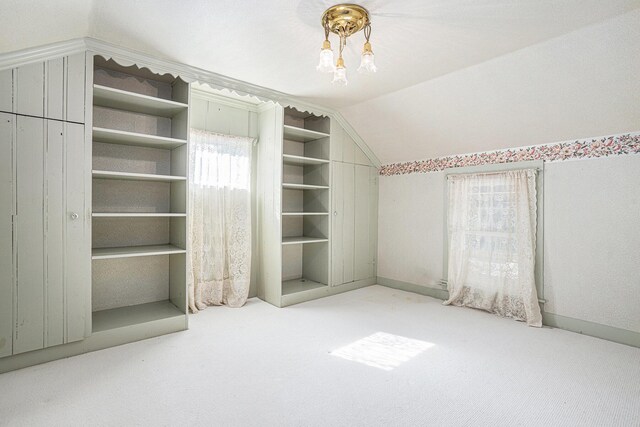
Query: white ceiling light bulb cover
{"points": [[367, 64], [340, 74], [326, 59]]}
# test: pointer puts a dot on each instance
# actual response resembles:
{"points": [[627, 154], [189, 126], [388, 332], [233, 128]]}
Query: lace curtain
{"points": [[492, 243], [220, 219]]}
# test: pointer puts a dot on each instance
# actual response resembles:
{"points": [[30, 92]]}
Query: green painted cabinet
{"points": [[44, 242]]}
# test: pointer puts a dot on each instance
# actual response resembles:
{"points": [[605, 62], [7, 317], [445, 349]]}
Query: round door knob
{"points": [[335, 213], [74, 215]]}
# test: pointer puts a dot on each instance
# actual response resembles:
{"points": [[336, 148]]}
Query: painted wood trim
{"points": [[163, 65], [224, 100], [324, 291], [41, 53], [585, 327], [597, 330], [97, 341]]}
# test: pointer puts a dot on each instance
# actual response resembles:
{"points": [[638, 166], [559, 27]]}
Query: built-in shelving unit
{"points": [[136, 176], [300, 134], [105, 96], [135, 251], [305, 213], [139, 219], [290, 159], [121, 317], [114, 136], [305, 202], [137, 215], [293, 186]]}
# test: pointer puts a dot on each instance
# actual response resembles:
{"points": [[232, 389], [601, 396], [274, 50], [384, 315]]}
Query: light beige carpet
{"points": [[372, 357]]}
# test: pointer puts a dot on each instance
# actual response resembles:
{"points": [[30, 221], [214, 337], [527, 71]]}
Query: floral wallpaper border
{"points": [[580, 149]]}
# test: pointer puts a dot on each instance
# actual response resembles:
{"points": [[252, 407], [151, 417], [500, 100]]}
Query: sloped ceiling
{"points": [[428, 98]]}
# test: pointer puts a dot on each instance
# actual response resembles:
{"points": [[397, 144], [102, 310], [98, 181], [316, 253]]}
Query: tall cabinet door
{"points": [[363, 262], [337, 193], [51, 255], [343, 238], [29, 235], [77, 242], [7, 207]]}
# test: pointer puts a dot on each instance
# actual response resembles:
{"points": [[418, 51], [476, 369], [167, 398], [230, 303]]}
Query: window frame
{"points": [[502, 167]]}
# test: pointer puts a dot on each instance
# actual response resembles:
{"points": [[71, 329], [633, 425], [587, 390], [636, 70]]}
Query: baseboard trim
{"points": [[597, 330], [94, 342], [442, 294]]}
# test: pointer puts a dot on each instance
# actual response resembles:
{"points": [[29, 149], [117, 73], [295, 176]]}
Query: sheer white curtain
{"points": [[492, 243], [220, 219]]}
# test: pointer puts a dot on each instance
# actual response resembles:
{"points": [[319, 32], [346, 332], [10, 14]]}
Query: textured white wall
{"points": [[591, 236], [578, 85], [592, 240], [29, 23], [411, 228]]}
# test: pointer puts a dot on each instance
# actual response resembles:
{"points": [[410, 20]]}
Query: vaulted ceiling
{"points": [[454, 75]]}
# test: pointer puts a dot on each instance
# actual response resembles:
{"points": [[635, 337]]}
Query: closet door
{"points": [[29, 233], [337, 259], [76, 244], [67, 249], [363, 263], [51, 243], [342, 256], [373, 219], [7, 205]]}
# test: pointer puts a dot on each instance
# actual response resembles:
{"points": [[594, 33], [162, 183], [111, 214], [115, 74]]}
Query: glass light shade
{"points": [[326, 61], [340, 76], [366, 63]]}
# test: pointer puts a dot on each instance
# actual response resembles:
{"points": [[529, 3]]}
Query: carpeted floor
{"points": [[372, 357]]}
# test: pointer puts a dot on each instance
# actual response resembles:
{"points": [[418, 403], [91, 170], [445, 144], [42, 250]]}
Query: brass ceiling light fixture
{"points": [[345, 20]]}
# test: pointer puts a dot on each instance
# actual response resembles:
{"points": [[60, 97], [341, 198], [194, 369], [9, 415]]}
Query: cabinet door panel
{"points": [[6, 90], [54, 186], [348, 225], [55, 89], [29, 89], [337, 259], [336, 141], [348, 148], [77, 239], [29, 332], [75, 79], [362, 206], [373, 219], [7, 123], [360, 157]]}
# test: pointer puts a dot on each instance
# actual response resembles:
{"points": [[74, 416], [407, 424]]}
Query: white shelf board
{"points": [[105, 96], [291, 186], [292, 133], [113, 136], [133, 315], [304, 213], [298, 240], [135, 251], [137, 215], [290, 159], [136, 176], [300, 285]]}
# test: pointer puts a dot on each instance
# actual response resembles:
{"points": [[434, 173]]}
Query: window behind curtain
{"points": [[492, 243]]}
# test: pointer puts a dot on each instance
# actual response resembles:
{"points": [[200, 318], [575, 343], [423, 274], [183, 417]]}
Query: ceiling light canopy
{"points": [[345, 20]]}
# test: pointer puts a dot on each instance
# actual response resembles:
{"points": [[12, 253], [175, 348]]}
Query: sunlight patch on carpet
{"points": [[382, 350]]}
